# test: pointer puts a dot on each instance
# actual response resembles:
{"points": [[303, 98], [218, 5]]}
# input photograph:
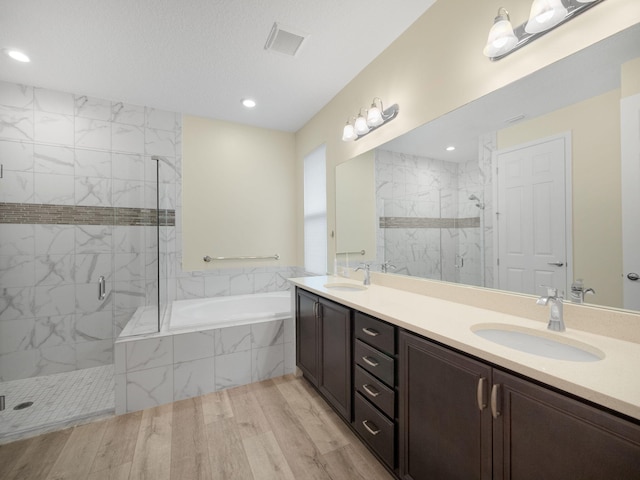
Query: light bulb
{"points": [[18, 56], [361, 125], [374, 116], [348, 133]]}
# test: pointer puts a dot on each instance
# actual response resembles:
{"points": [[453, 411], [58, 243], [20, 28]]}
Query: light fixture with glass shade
{"points": [[361, 125], [349, 132], [544, 16], [376, 116], [501, 38]]}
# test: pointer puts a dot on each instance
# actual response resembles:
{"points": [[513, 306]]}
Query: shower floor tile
{"points": [[58, 400]]}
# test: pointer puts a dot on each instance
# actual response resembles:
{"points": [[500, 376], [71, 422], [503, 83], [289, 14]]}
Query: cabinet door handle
{"points": [[371, 332], [316, 309], [373, 431], [370, 390], [370, 361], [494, 400], [480, 393]]}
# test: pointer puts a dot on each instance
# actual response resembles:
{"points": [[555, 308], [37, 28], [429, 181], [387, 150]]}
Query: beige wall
{"points": [[238, 194], [630, 81], [596, 188], [355, 224], [437, 66]]}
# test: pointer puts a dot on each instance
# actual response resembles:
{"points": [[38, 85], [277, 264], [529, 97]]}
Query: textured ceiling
{"points": [[200, 57]]}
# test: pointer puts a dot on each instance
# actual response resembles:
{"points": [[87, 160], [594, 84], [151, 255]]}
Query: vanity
{"points": [[421, 385]]}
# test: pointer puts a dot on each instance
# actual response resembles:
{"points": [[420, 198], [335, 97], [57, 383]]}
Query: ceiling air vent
{"points": [[284, 40]]}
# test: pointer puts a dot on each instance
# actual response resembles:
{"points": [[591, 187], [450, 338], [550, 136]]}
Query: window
{"points": [[315, 211]]}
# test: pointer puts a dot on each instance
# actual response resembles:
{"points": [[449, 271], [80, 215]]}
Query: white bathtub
{"points": [[220, 312]]}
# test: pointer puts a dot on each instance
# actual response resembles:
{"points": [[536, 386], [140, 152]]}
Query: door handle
{"points": [[495, 413], [634, 277], [102, 288], [556, 264], [480, 393]]}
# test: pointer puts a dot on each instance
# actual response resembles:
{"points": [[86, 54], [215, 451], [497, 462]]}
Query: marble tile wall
{"points": [[66, 151], [433, 195], [74, 150], [162, 369]]}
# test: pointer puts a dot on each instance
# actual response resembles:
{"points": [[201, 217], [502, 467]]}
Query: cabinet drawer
{"points": [[375, 391], [375, 429], [375, 362], [375, 332]]}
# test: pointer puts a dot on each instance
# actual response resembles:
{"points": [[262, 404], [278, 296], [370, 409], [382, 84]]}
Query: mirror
{"points": [[465, 216]]}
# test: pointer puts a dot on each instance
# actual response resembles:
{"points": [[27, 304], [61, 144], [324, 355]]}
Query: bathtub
{"points": [[206, 345], [220, 312]]}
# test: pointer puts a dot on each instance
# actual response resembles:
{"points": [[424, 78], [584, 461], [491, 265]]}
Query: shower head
{"points": [[473, 197]]}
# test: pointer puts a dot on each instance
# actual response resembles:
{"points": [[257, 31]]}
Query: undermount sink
{"points": [[538, 342], [345, 287]]}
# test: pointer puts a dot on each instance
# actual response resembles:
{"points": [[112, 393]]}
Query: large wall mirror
{"points": [[541, 188]]}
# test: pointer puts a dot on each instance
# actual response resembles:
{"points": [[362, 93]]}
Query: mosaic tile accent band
{"points": [[425, 222], [41, 214]]}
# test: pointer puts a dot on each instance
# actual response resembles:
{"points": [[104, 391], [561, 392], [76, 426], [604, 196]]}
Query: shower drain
{"points": [[23, 405]]}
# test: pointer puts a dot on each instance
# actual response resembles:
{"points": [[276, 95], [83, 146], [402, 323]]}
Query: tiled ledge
{"points": [[39, 214], [425, 222]]}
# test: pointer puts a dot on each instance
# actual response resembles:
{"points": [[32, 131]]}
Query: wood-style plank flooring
{"points": [[276, 429]]}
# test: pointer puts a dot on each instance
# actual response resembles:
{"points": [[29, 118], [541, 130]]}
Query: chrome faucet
{"points": [[556, 320], [367, 273], [578, 291], [384, 267]]}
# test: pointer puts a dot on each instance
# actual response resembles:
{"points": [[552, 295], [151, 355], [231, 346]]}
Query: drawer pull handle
{"points": [[370, 390], [370, 331], [370, 361], [373, 431], [495, 412]]}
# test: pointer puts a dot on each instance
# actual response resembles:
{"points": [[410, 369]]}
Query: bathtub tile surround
{"points": [[77, 192], [158, 369]]}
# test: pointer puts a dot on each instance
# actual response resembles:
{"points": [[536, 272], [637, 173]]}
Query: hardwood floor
{"points": [[276, 429]]}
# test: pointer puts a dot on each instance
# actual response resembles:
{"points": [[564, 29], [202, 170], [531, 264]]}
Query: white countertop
{"points": [[613, 382]]}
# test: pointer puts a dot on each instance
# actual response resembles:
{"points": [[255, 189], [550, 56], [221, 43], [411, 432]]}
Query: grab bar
{"points": [[102, 288], [361, 252], [268, 257]]}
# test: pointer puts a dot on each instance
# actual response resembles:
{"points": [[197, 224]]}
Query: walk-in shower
{"points": [[79, 247]]}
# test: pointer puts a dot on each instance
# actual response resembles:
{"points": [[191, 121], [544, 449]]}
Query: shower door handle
{"points": [[102, 288]]}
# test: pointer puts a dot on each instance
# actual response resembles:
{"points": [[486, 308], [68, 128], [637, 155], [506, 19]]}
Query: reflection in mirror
{"points": [[550, 214]]}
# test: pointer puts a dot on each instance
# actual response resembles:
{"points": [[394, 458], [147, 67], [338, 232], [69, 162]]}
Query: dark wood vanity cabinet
{"points": [[462, 419], [443, 433], [323, 348]]}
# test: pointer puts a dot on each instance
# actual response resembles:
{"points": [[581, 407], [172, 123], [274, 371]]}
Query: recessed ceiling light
{"points": [[249, 103], [450, 148], [17, 55]]}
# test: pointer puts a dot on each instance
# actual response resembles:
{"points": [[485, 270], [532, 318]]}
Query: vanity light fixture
{"points": [[17, 55], [374, 117], [544, 16], [450, 148]]}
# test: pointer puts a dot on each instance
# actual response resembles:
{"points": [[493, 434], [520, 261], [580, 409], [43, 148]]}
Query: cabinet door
{"points": [[307, 335], [335, 356], [444, 432], [543, 434]]}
